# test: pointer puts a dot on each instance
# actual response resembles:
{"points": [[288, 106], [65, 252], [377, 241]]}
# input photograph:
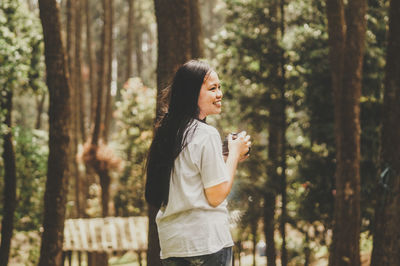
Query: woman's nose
{"points": [[219, 93]]}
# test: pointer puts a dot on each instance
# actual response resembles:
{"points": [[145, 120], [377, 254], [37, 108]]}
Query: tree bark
{"points": [[92, 70], [79, 88], [102, 80], [138, 48], [253, 228], [274, 107], [346, 38], [130, 35], [39, 109], [174, 39], [72, 6], [89, 175], [10, 186], [71, 41], [108, 97], [59, 92], [386, 244], [77, 109], [94, 162], [283, 126], [196, 30], [271, 186]]}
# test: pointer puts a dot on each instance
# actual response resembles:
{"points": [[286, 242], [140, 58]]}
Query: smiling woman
{"points": [[187, 177], [210, 96]]}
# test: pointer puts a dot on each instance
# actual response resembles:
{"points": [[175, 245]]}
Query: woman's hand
{"points": [[239, 146]]}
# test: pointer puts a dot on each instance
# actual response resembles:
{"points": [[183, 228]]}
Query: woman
{"points": [[187, 177]]}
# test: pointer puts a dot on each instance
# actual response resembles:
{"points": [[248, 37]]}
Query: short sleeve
{"points": [[213, 170]]}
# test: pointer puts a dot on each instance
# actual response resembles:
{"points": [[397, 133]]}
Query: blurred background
{"points": [[314, 104]]}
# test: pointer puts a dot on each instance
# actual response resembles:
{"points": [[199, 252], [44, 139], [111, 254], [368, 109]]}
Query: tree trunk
{"points": [[274, 107], [77, 106], [94, 162], [137, 40], [174, 49], [283, 126], [346, 38], [174, 39], [387, 233], [253, 227], [59, 91], [71, 40], [72, 172], [138, 49], [269, 228], [270, 186], [307, 250], [10, 186], [79, 88], [90, 58], [39, 108], [108, 97], [130, 35], [196, 30], [102, 80]]}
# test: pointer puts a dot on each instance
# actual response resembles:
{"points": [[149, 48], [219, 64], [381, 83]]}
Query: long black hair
{"points": [[171, 132]]}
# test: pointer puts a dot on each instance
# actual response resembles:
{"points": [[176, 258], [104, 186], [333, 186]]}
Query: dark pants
{"points": [[220, 258]]}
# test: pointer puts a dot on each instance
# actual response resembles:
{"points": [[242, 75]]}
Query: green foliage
{"points": [[371, 104], [21, 49], [20, 45], [31, 154], [21, 67], [25, 249], [246, 59], [249, 59], [315, 177], [135, 116]]}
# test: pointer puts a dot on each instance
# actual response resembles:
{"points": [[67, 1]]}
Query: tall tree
{"points": [[273, 63], [387, 233], [70, 5], [283, 126], [108, 96], [77, 105], [79, 88], [130, 35], [346, 40], [174, 48], [91, 64], [139, 43], [59, 93], [73, 34], [96, 155]]}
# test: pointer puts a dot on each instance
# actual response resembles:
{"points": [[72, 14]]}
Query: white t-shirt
{"points": [[188, 226]]}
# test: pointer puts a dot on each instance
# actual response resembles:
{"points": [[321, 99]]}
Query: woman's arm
{"points": [[237, 149]]}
